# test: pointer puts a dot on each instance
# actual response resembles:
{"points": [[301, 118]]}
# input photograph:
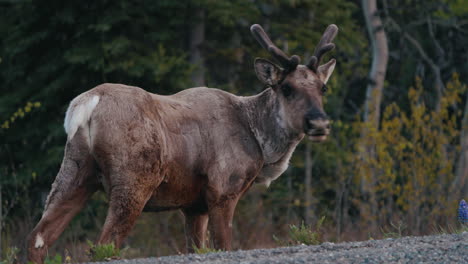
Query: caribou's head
{"points": [[299, 88]]}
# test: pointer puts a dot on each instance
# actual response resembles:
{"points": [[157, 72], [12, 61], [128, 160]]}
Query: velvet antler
{"points": [[323, 47], [289, 63]]}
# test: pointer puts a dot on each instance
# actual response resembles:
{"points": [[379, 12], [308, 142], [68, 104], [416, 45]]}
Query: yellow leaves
{"points": [[297, 202], [407, 164], [413, 153], [412, 93], [34, 175], [5, 125], [20, 113]]}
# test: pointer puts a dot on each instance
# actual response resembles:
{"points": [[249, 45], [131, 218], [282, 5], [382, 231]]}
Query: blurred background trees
{"points": [[51, 51]]}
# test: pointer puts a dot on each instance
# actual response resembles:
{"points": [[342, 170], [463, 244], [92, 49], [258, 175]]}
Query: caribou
{"points": [[197, 151]]}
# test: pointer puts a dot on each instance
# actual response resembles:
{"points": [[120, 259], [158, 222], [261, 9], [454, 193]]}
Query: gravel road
{"points": [[427, 249]]}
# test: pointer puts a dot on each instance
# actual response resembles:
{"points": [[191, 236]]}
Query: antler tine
{"points": [[323, 47], [260, 35]]}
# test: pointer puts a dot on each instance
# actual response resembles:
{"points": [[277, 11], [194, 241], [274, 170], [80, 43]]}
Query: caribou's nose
{"points": [[317, 123]]}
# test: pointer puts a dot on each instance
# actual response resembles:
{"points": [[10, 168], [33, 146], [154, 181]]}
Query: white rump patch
{"points": [[39, 241], [79, 113]]}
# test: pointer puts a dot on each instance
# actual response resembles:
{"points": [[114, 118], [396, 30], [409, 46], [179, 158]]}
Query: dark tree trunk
{"points": [[197, 37], [308, 216]]}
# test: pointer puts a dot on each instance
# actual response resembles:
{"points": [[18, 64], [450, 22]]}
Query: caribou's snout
{"points": [[317, 126]]}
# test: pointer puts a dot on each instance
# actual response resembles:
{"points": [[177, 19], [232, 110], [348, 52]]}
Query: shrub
{"points": [[303, 234], [205, 250], [11, 254], [103, 252], [55, 260]]}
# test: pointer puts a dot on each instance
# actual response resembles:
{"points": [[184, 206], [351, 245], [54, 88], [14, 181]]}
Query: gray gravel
{"points": [[427, 249]]}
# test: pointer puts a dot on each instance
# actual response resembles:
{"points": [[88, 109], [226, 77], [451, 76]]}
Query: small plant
{"points": [[450, 229], [462, 229], [10, 256], [395, 230], [55, 260], [103, 252], [461, 226], [303, 234], [205, 250], [68, 258]]}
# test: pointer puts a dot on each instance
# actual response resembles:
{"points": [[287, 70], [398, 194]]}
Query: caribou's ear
{"points": [[325, 71], [268, 72]]}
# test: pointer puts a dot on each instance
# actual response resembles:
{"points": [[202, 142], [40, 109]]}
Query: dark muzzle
{"points": [[316, 124]]}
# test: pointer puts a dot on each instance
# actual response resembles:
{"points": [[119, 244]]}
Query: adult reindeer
{"points": [[198, 150]]}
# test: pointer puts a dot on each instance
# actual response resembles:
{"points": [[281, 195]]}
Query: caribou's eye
{"points": [[324, 89], [286, 89]]}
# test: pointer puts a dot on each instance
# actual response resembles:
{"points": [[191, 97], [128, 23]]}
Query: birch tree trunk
{"points": [[459, 186], [378, 70], [374, 92], [197, 36]]}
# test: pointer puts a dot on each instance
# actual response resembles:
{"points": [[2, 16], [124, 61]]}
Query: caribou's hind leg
{"points": [[126, 203], [71, 189]]}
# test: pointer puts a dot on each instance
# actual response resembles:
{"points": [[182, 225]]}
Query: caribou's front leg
{"points": [[221, 222], [195, 230], [226, 185]]}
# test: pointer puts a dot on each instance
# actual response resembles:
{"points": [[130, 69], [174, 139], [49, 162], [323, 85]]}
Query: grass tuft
{"points": [[55, 260], [205, 250], [303, 234], [450, 229], [103, 252], [394, 231]]}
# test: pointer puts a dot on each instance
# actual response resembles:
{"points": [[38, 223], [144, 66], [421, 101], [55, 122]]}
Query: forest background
{"points": [[396, 159]]}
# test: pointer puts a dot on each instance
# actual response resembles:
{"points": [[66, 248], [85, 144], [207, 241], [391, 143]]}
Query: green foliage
{"points": [[205, 250], [303, 234], [57, 259], [454, 7], [103, 252], [395, 230], [10, 256], [450, 229]]}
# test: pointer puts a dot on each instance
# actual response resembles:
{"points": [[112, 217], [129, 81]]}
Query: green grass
{"points": [[103, 252], [205, 250], [450, 229], [303, 234], [394, 231], [55, 260], [11, 256]]}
